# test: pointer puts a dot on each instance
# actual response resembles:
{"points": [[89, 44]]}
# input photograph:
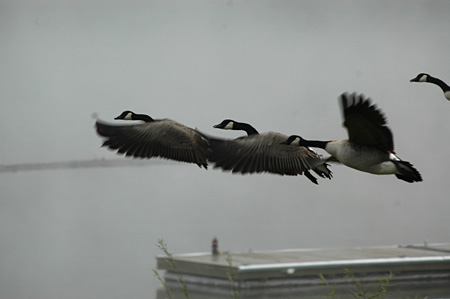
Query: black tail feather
{"points": [[407, 172]]}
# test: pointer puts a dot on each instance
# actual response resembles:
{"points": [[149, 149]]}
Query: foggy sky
{"points": [[278, 65]]}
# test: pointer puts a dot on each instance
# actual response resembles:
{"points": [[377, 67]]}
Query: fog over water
{"points": [[278, 65]]}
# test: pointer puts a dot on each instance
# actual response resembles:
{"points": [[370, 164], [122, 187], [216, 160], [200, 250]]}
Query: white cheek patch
{"points": [[296, 141], [128, 116], [423, 78], [229, 126]]}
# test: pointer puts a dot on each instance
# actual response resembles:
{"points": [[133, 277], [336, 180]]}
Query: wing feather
{"points": [[366, 125], [161, 138], [262, 153]]}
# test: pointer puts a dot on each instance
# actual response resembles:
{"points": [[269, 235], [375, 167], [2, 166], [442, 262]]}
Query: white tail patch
{"points": [[392, 156]]}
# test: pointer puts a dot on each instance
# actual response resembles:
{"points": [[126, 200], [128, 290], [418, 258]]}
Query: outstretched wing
{"points": [[365, 123], [160, 138], [262, 153]]}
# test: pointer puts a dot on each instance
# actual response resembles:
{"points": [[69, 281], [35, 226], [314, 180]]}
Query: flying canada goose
{"points": [[257, 153], [370, 145], [163, 138], [422, 77]]}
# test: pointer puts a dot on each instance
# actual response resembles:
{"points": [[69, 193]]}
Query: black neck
{"points": [[314, 143], [142, 117], [439, 82], [245, 127]]}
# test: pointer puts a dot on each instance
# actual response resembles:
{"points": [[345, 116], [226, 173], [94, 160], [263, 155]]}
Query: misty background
{"points": [[278, 65]]}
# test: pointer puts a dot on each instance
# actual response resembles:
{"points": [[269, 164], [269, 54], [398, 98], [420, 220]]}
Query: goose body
{"points": [[371, 160], [370, 146], [262, 152], [422, 77], [163, 138]]}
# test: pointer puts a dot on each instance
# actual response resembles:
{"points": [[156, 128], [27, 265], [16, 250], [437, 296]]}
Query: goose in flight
{"points": [[422, 77], [262, 152], [369, 147], [162, 138]]}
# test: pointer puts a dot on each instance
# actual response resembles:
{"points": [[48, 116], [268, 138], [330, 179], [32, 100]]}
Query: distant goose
{"points": [[163, 138], [370, 145], [422, 77], [257, 153]]}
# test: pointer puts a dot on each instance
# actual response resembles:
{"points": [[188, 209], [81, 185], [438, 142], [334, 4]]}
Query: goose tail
{"points": [[407, 172]]}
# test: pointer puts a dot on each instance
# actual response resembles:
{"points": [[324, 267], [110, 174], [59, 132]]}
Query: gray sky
{"points": [[279, 65]]}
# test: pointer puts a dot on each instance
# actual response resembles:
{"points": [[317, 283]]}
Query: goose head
{"points": [[422, 77], [130, 115], [226, 124], [126, 115]]}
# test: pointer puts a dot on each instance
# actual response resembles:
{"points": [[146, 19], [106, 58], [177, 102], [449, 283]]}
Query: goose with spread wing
{"points": [[262, 152], [162, 138], [369, 147]]}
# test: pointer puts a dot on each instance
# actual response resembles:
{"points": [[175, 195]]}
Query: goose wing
{"points": [[262, 153], [161, 138], [366, 125]]}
